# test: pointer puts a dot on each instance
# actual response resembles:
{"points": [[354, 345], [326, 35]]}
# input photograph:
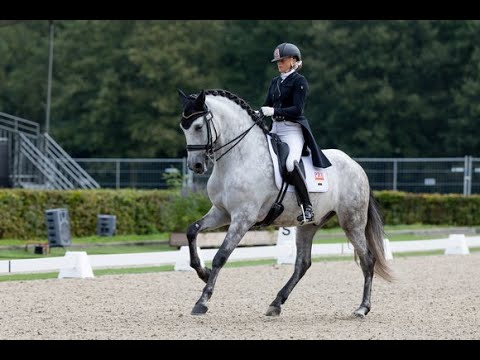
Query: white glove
{"points": [[267, 111]]}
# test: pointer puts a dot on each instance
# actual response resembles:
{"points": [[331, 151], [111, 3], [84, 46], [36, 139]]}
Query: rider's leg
{"points": [[298, 180], [292, 134]]}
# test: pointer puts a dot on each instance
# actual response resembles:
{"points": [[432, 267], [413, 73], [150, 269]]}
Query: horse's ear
{"points": [[183, 98], [199, 101]]}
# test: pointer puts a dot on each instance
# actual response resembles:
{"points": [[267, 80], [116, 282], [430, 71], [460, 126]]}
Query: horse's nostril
{"points": [[198, 166]]}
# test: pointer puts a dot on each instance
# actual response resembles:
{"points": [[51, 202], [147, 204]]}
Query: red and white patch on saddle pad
{"points": [[317, 179]]}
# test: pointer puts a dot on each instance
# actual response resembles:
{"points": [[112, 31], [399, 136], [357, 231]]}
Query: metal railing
{"points": [[132, 173], [11, 123], [70, 169], [426, 175], [459, 175], [10, 127], [52, 177], [36, 160]]}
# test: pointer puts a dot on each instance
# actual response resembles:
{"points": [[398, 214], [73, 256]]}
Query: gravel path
{"points": [[434, 297]]}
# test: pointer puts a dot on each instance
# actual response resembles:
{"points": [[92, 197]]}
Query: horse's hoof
{"points": [[273, 311], [361, 312], [199, 309]]}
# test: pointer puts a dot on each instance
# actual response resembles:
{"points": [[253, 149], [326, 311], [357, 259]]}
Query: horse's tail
{"points": [[374, 233]]}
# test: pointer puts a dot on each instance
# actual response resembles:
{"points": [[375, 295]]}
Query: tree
{"points": [[23, 69], [377, 88], [116, 94]]}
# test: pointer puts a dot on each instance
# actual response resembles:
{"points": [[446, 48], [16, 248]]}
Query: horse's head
{"points": [[196, 126]]}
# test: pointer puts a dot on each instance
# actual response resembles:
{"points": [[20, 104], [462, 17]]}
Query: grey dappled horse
{"points": [[219, 125]]}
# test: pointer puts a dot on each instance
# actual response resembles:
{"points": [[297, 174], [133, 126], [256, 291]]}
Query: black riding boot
{"points": [[297, 179]]}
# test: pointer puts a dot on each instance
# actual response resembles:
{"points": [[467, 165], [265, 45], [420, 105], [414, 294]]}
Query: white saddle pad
{"points": [[316, 177]]}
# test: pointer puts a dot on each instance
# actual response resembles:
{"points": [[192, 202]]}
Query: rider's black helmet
{"points": [[285, 50]]}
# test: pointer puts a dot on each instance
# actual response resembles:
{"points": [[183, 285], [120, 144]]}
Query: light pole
{"points": [[49, 81]]}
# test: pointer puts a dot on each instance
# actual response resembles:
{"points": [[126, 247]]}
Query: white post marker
{"points": [[457, 245], [387, 249], [76, 265], [287, 241], [183, 259]]}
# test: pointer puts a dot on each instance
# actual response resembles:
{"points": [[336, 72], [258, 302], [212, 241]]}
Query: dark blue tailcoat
{"points": [[288, 101]]}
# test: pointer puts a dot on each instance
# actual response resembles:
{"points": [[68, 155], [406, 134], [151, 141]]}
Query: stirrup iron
{"points": [[297, 179], [303, 218]]}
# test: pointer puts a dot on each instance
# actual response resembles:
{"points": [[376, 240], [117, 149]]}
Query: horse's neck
{"points": [[252, 148]]}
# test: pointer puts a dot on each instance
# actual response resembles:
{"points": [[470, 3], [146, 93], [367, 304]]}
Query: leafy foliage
{"points": [[388, 88]]}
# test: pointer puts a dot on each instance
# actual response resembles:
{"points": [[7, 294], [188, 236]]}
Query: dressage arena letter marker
{"points": [[286, 241], [76, 265], [457, 245]]}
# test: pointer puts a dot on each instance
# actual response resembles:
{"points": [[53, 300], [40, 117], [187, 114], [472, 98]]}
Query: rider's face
{"points": [[285, 64]]}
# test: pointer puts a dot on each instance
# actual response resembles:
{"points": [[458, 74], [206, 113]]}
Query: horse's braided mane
{"points": [[224, 93]]}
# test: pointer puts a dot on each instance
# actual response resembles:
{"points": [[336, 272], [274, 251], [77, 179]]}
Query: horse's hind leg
{"points": [[367, 262], [303, 261], [213, 219]]}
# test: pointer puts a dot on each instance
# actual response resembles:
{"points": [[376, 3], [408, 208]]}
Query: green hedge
{"points": [[22, 212], [435, 209]]}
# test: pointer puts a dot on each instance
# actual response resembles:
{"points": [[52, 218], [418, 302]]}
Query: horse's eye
{"points": [[198, 127]]}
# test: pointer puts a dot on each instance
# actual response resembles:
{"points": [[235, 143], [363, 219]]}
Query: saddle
{"points": [[282, 150], [316, 178]]}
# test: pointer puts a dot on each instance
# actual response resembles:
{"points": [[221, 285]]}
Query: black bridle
{"points": [[209, 146], [207, 118]]}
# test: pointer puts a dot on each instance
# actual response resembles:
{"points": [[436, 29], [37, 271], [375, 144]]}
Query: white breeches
{"points": [[292, 134]]}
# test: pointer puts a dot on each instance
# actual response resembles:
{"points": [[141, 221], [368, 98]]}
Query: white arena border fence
{"points": [[283, 252]]}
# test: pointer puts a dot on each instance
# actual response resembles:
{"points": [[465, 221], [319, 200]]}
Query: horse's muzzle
{"points": [[198, 168], [197, 162]]}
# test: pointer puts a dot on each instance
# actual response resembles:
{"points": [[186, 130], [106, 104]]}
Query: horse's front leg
{"points": [[212, 220], [235, 233]]}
